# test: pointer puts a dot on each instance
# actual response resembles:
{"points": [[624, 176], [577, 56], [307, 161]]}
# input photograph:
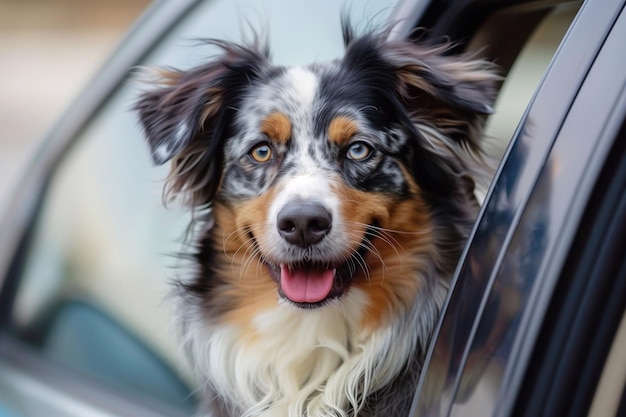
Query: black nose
{"points": [[304, 224]]}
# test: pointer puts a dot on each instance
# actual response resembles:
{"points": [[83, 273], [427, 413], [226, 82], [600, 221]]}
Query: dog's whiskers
{"points": [[362, 264], [248, 243], [401, 232], [390, 241], [255, 255]]}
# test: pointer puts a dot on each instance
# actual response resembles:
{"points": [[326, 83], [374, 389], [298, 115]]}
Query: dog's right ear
{"points": [[170, 114], [188, 116], [188, 102]]}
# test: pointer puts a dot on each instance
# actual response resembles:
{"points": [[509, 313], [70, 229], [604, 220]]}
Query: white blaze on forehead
{"points": [[305, 188], [304, 85]]}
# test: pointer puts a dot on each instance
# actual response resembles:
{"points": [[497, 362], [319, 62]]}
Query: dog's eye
{"points": [[261, 153], [359, 151]]}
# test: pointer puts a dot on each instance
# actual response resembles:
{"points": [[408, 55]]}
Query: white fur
{"points": [[303, 85], [181, 132], [292, 362], [162, 152], [309, 187]]}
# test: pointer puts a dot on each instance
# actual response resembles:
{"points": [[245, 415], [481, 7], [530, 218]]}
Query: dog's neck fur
{"points": [[291, 362]]}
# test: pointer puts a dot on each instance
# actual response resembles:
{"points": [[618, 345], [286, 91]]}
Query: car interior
{"points": [[98, 266]]}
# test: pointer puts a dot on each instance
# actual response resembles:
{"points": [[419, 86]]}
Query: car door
{"points": [[540, 291]]}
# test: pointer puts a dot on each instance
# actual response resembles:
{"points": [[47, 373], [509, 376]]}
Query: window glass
{"points": [[521, 41], [526, 73], [483, 374], [101, 260]]}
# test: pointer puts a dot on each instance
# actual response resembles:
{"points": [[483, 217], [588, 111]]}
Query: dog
{"points": [[332, 202]]}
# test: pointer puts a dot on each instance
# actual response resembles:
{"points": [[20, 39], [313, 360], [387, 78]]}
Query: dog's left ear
{"points": [[459, 81], [454, 93]]}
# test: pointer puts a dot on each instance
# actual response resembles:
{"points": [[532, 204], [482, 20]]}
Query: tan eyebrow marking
{"points": [[277, 127], [341, 129]]}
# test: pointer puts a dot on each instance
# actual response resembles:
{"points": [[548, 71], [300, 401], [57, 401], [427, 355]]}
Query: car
{"points": [[535, 319]]}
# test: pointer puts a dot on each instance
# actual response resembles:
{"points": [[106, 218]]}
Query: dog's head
{"points": [[322, 178]]}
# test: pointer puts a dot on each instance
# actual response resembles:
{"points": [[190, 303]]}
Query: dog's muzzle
{"points": [[304, 224]]}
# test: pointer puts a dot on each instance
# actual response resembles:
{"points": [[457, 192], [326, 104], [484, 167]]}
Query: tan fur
{"points": [[341, 129], [250, 287], [386, 275], [277, 127], [404, 232]]}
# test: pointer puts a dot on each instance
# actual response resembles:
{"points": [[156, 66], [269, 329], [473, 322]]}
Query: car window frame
{"points": [[587, 33]]}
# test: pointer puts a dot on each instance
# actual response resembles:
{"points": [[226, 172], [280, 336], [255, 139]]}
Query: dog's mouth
{"points": [[311, 284]]}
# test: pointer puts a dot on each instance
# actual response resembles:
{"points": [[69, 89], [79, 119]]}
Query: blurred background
{"points": [[49, 50]]}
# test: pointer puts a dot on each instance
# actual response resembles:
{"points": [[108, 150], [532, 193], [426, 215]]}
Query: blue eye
{"points": [[358, 151], [261, 153]]}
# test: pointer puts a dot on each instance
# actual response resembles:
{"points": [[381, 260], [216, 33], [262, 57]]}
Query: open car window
{"points": [[505, 280]]}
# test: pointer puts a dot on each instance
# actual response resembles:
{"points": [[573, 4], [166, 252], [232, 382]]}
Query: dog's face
{"points": [[317, 172], [325, 178]]}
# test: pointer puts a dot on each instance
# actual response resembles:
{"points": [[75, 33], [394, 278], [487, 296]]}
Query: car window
{"points": [[98, 268], [526, 72], [517, 90], [466, 368]]}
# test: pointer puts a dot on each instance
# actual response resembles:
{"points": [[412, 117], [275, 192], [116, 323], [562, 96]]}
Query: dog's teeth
{"points": [[335, 272]]}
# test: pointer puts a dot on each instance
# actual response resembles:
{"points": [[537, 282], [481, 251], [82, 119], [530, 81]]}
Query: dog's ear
{"points": [[187, 117], [170, 114], [447, 97], [453, 93], [458, 81]]}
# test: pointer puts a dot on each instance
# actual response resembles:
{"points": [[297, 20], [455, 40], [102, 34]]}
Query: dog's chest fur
{"points": [[299, 363]]}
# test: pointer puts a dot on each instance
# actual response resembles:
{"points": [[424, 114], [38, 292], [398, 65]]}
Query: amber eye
{"points": [[359, 151], [261, 153]]}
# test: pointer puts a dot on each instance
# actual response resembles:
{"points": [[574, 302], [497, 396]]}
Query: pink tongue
{"points": [[306, 285]]}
